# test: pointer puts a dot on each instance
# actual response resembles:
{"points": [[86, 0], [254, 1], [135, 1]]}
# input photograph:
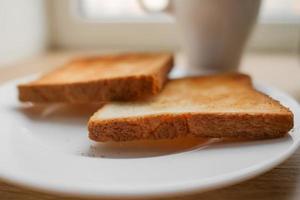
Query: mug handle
{"points": [[169, 8]]}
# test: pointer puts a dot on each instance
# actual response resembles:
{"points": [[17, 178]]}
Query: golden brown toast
{"points": [[208, 106], [100, 79]]}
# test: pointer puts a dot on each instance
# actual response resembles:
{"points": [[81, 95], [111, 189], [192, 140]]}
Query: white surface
{"points": [[23, 29], [47, 148]]}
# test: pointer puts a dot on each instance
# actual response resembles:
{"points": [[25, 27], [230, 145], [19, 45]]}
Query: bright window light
{"points": [[281, 11], [123, 9]]}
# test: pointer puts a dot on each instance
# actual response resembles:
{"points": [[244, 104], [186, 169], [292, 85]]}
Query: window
{"points": [[283, 11], [287, 11], [124, 10], [148, 24]]}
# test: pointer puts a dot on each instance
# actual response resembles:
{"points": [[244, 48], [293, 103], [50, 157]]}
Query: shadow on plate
{"points": [[59, 113], [153, 148], [147, 148]]}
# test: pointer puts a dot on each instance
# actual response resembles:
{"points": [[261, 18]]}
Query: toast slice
{"points": [[101, 79], [208, 106]]}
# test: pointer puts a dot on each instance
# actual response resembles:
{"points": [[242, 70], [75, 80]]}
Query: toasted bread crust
{"points": [[215, 125], [239, 112], [108, 89]]}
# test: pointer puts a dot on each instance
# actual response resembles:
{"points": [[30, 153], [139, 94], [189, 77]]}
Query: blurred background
{"points": [[33, 27], [39, 35]]}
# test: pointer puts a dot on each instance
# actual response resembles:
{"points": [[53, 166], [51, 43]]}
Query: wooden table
{"points": [[277, 69]]}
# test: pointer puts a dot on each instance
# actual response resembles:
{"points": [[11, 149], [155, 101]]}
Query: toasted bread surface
{"points": [[208, 106], [100, 79]]}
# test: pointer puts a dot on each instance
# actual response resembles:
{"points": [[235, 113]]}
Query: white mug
{"points": [[214, 32]]}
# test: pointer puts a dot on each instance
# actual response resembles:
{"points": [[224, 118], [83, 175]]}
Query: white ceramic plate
{"points": [[47, 148]]}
